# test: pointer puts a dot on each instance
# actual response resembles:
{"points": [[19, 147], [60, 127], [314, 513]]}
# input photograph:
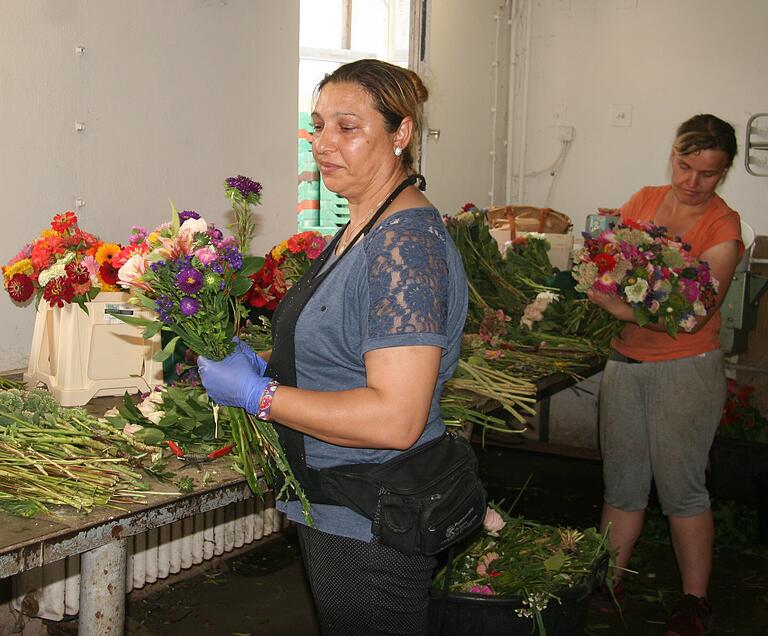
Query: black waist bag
{"points": [[421, 501]]}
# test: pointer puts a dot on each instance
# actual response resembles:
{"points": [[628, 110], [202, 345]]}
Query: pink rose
{"points": [[493, 522], [484, 562]]}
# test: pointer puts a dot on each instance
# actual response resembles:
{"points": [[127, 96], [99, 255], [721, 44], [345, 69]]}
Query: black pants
{"points": [[365, 589]]}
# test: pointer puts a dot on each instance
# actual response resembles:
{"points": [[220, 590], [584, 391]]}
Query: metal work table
{"points": [[547, 387], [100, 538]]}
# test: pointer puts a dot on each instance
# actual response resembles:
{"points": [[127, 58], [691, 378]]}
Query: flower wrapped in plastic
{"points": [[193, 277], [653, 272], [63, 265]]}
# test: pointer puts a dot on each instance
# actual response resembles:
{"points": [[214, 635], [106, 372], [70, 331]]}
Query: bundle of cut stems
{"points": [[69, 458], [517, 396]]}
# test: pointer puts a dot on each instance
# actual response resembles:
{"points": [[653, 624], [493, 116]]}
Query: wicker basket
{"points": [[526, 218]]}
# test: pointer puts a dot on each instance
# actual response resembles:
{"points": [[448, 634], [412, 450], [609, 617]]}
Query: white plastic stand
{"points": [[80, 356]]}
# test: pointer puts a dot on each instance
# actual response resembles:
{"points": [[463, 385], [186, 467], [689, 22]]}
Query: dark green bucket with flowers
{"points": [[519, 577]]}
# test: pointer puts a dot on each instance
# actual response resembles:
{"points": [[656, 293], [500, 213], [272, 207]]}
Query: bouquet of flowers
{"points": [[63, 265], [284, 265], [741, 417], [512, 556], [193, 277], [651, 271]]}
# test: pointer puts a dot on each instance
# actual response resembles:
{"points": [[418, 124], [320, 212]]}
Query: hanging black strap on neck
{"points": [[408, 181]]}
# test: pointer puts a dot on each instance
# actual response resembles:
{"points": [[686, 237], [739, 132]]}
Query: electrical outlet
{"points": [[566, 133], [621, 115]]}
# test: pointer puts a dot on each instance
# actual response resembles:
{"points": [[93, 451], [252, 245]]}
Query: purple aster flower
{"points": [[244, 185], [188, 214], [189, 306], [233, 256], [189, 280], [164, 308]]}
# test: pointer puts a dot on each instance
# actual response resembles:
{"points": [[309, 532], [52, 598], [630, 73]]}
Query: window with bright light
{"points": [[332, 33]]}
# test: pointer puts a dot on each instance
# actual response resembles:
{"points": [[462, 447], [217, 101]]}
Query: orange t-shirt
{"points": [[718, 224]]}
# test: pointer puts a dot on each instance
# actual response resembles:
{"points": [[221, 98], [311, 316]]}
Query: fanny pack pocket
{"points": [[421, 501]]}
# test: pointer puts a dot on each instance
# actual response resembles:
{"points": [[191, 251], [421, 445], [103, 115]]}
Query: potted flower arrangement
{"points": [[519, 577], [63, 265], [740, 449], [79, 354]]}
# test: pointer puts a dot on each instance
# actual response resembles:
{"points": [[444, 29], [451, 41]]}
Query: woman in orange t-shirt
{"points": [[661, 397]]}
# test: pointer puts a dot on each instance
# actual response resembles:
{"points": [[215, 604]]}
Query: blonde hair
{"points": [[706, 132], [396, 93]]}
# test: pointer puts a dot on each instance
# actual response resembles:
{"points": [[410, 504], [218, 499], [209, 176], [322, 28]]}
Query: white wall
{"points": [[668, 59], [459, 75], [175, 95]]}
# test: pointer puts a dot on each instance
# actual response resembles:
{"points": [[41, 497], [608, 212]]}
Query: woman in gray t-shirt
{"points": [[362, 346]]}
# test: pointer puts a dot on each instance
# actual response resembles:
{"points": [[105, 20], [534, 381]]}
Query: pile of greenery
{"points": [[513, 557], [511, 282], [50, 455]]}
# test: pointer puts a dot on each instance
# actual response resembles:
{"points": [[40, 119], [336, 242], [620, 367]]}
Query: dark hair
{"points": [[396, 93], [706, 132]]}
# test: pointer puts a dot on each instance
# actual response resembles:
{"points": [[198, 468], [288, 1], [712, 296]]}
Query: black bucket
{"points": [[477, 615], [761, 479], [480, 615]]}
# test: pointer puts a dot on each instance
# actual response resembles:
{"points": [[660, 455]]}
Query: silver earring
{"points": [[398, 151]]}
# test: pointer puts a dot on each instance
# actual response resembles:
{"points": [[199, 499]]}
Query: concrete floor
{"points": [[262, 591]]}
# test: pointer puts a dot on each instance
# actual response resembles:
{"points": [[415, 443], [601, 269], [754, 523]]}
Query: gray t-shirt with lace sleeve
{"points": [[402, 285]]}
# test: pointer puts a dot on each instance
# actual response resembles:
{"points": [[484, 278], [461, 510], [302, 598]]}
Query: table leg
{"points": [[544, 420], [102, 590]]}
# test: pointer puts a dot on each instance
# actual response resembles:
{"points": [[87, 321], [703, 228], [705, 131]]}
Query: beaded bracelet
{"points": [[265, 401]]}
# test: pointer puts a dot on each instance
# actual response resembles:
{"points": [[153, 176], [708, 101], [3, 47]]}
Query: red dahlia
{"points": [[20, 288], [77, 273], [59, 291]]}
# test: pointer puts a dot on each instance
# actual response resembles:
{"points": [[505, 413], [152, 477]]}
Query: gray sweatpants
{"points": [[657, 421]]}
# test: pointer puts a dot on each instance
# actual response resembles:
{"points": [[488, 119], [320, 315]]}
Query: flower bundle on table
{"points": [[514, 557], [194, 278], [283, 266], [653, 272], [63, 265]]}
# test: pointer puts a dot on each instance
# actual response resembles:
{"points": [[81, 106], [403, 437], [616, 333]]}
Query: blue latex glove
{"points": [[259, 363], [237, 380]]}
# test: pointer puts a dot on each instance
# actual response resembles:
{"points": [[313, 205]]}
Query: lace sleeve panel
{"points": [[407, 279]]}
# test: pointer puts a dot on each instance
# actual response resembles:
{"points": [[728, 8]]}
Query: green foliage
{"points": [[187, 418], [515, 557], [512, 282], [257, 335]]}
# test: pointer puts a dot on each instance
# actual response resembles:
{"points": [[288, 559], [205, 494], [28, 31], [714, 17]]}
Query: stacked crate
{"points": [[308, 209], [334, 210]]}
